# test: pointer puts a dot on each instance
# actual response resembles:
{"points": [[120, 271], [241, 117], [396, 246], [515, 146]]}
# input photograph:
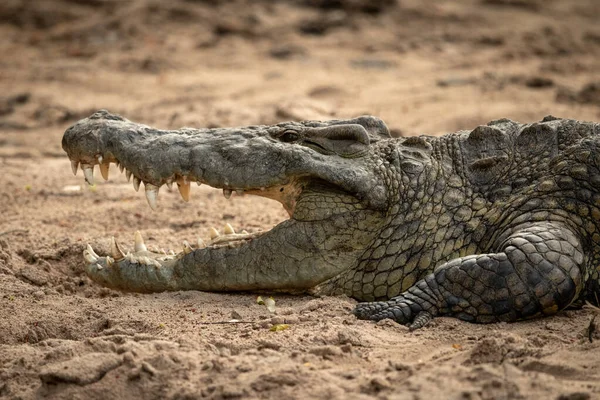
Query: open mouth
{"points": [[330, 193], [287, 194]]}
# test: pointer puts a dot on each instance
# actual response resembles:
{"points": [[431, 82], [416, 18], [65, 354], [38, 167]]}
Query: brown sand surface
{"points": [[423, 66]]}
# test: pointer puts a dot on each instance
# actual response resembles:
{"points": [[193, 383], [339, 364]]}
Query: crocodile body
{"points": [[501, 223]]}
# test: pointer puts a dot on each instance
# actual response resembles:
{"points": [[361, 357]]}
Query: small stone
{"points": [[82, 370], [265, 324], [326, 351], [236, 315], [346, 348]]}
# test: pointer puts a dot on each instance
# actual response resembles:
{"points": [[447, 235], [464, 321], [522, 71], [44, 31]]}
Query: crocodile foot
{"points": [[402, 309]]}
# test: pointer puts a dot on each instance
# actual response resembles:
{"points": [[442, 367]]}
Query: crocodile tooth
{"points": [[214, 233], [156, 264], [201, 243], [128, 175], [121, 167], [89, 257], [228, 230], [163, 251], [239, 192], [171, 252], [74, 165], [88, 172], [184, 188], [151, 195], [100, 159], [187, 249], [91, 251], [115, 249], [139, 242], [130, 257], [109, 261], [104, 170], [136, 183], [227, 193], [99, 267], [146, 261], [244, 232]]}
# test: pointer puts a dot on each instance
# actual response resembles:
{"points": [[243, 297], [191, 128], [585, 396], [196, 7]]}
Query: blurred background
{"points": [[423, 66]]}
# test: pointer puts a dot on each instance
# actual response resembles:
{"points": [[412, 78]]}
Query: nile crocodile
{"points": [[501, 223]]}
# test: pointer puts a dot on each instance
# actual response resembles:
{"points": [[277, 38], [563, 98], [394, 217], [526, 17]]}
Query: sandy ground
{"points": [[424, 67]]}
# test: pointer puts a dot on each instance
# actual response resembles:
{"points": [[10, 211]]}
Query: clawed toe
{"points": [[400, 310]]}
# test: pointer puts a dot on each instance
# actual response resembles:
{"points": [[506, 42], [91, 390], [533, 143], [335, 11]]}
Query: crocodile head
{"points": [[329, 176]]}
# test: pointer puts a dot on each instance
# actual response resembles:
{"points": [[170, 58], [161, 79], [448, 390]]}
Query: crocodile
{"points": [[500, 223]]}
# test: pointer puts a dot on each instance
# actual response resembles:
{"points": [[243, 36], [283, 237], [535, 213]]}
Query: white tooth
{"points": [[88, 172], [151, 195], [104, 170], [228, 230], [88, 257], [128, 175], [184, 188], [201, 243], [131, 258], [171, 252], [115, 249], [136, 183], [244, 232], [139, 242], [91, 251], [121, 166], [100, 159], [99, 267], [156, 264], [109, 261], [239, 192], [187, 249], [74, 165], [145, 260], [163, 251], [214, 233], [227, 193]]}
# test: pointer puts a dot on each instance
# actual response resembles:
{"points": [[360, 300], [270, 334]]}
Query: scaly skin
{"points": [[497, 224]]}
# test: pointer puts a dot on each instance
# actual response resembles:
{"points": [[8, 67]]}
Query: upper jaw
{"points": [[241, 160]]}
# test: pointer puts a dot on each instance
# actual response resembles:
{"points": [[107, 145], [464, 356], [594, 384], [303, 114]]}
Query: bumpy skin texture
{"points": [[497, 224]]}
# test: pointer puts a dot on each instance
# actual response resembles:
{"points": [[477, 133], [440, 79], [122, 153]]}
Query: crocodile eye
{"points": [[289, 137]]}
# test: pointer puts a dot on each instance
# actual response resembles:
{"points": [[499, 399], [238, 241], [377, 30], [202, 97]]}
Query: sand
{"points": [[424, 67]]}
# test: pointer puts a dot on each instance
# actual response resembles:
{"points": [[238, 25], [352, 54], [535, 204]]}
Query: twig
{"points": [[14, 231], [233, 321]]}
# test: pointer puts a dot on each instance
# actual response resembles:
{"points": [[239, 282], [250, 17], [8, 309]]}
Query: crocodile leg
{"points": [[538, 271]]}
